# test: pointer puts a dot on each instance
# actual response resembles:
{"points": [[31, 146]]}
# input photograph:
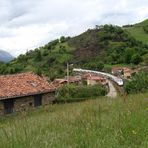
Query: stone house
{"points": [[125, 72], [128, 73], [93, 80], [23, 91], [117, 71], [70, 80]]}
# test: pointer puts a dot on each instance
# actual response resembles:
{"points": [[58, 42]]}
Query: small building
{"points": [[117, 71], [59, 82], [93, 80], [87, 75], [24, 91], [123, 72], [70, 80], [127, 73], [74, 80]]}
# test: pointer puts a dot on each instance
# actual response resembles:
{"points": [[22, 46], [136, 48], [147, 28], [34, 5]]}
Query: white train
{"points": [[117, 80]]}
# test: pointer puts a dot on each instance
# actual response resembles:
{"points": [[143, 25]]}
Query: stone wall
{"points": [[23, 104], [48, 98], [26, 103]]}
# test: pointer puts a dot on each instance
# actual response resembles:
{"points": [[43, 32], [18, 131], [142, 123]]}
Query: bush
{"points": [[38, 71], [139, 83], [136, 59], [98, 66], [145, 28], [73, 92], [62, 39]]}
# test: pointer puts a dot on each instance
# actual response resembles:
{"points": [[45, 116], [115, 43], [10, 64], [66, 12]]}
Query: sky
{"points": [[28, 24]]}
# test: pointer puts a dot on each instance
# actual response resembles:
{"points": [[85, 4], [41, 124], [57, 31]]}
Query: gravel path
{"points": [[112, 91]]}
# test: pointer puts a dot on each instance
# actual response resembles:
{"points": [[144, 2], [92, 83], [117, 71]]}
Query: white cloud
{"points": [[27, 24]]}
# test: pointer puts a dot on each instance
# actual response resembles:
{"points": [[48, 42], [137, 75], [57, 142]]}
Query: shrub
{"points": [[72, 92], [145, 28], [139, 83], [38, 71], [136, 59], [94, 66]]}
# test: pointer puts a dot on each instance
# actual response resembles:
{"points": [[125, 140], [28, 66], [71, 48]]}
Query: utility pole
{"points": [[68, 73]]}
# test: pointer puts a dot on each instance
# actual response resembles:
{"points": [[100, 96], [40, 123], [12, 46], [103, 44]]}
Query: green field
{"points": [[100, 123], [138, 33]]}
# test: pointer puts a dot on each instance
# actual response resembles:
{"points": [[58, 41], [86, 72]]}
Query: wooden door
{"points": [[8, 106], [37, 100]]}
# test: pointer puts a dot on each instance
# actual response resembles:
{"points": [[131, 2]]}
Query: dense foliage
{"points": [[73, 92], [139, 83], [146, 28]]}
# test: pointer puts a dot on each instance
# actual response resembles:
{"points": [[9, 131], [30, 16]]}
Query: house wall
{"points": [[127, 75], [48, 98], [92, 82], [26, 103]]}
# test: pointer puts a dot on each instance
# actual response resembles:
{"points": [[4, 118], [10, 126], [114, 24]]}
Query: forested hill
{"points": [[92, 49]]}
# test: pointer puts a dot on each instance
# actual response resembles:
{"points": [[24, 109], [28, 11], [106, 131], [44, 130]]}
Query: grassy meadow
{"points": [[138, 32], [99, 123]]}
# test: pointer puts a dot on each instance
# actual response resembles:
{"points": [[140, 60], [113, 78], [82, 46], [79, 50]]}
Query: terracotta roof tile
{"points": [[96, 78], [23, 84]]}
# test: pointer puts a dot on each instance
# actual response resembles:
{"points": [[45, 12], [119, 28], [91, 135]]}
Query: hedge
{"points": [[139, 83], [82, 92]]}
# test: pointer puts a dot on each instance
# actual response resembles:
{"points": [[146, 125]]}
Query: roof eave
{"points": [[25, 95]]}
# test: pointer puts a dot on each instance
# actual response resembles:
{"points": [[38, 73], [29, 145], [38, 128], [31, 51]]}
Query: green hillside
{"points": [[107, 45], [138, 31], [91, 124]]}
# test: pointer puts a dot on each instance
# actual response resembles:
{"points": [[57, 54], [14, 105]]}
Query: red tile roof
{"points": [[117, 68], [96, 78], [23, 84], [71, 79], [59, 81]]}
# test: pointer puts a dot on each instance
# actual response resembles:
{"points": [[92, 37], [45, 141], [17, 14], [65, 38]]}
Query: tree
{"points": [[62, 39], [38, 71], [145, 28], [145, 59], [136, 59], [139, 83], [100, 66], [38, 56], [95, 66], [128, 55]]}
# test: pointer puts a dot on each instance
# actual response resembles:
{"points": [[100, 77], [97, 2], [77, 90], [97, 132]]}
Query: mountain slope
{"points": [[138, 32], [5, 56], [91, 49]]}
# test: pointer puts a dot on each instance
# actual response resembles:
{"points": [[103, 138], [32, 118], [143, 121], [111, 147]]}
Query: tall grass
{"points": [[101, 123]]}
